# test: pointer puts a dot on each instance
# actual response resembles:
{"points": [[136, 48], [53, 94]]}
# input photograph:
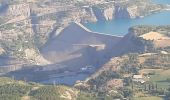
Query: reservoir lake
{"points": [[161, 1], [120, 27]]}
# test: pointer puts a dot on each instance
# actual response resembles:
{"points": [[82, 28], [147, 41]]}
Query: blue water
{"points": [[121, 26], [162, 1]]}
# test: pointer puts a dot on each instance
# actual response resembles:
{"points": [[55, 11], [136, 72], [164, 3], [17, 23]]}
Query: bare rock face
{"points": [[103, 14], [99, 13], [126, 12], [89, 15], [133, 11], [2, 51], [31, 54], [109, 13]]}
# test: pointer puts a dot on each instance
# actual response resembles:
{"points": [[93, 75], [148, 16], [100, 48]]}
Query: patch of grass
{"points": [[161, 78], [148, 98]]}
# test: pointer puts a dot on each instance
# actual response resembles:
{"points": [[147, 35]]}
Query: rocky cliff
{"points": [[136, 9]]}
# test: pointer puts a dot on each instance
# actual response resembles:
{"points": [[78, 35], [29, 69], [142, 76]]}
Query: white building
{"points": [[138, 78]]}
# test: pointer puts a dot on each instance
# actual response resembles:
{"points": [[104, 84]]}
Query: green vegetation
{"points": [[45, 93], [7, 27], [155, 69], [142, 29], [161, 78], [13, 91], [148, 98], [86, 96], [104, 77], [17, 90]]}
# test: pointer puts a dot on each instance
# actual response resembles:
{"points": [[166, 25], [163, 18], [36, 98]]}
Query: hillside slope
{"points": [[19, 90], [77, 42]]}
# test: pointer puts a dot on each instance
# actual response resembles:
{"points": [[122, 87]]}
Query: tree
{"points": [[127, 92]]}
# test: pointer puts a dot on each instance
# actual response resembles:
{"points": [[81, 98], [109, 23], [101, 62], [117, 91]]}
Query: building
{"points": [[138, 78]]}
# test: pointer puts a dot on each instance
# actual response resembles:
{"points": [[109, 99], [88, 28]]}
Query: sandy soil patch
{"points": [[160, 40], [154, 36]]}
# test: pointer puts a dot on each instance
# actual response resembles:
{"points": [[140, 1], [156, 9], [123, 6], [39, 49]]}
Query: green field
{"points": [[160, 78], [148, 98]]}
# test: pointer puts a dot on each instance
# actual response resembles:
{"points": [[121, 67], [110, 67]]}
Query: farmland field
{"points": [[148, 98]]}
